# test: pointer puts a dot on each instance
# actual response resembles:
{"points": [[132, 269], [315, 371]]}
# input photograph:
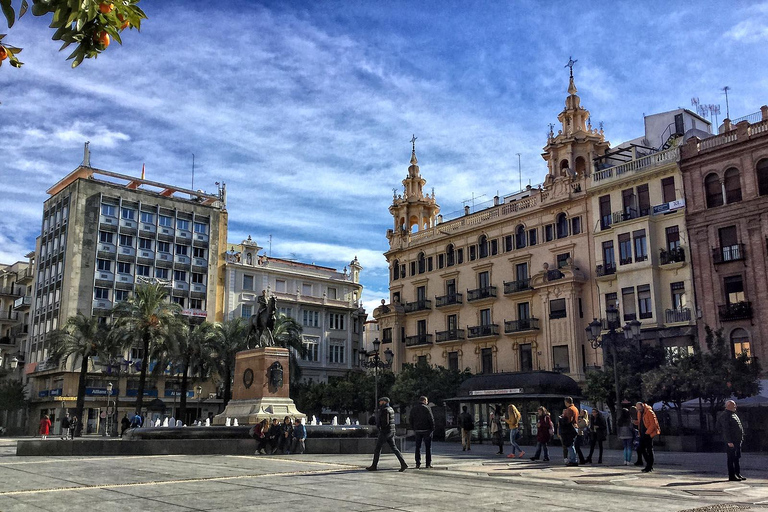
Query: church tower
{"points": [[413, 207]]}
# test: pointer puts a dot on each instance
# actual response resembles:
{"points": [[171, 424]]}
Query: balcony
{"points": [[480, 331], [147, 228], [8, 316], [629, 214], [419, 339], [672, 256], [625, 261], [521, 285], [607, 269], [419, 305], [481, 293], [450, 335], [728, 253], [449, 300], [735, 311], [526, 324], [23, 302], [554, 275], [13, 291], [677, 315]]}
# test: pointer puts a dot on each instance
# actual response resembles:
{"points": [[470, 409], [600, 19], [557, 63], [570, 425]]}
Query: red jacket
{"points": [[45, 427], [542, 429], [647, 423]]}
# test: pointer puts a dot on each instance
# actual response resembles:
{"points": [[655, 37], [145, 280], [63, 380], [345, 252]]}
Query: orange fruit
{"points": [[3, 54], [101, 39], [125, 22], [106, 8]]}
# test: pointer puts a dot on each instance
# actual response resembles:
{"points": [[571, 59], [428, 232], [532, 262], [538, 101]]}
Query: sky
{"points": [[306, 109]]}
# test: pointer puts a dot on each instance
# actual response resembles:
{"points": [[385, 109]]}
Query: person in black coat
{"points": [[733, 434], [273, 435], [385, 420], [286, 435], [598, 429], [423, 425]]}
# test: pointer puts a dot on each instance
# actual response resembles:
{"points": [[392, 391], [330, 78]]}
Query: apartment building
{"points": [[325, 302], [15, 301]]}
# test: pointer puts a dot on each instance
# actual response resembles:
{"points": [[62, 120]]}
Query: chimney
{"points": [[87, 155]]}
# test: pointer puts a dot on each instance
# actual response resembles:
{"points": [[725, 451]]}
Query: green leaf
{"points": [[109, 29], [10, 14], [24, 7], [39, 9]]}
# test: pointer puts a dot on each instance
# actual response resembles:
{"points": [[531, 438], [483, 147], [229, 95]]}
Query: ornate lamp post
{"points": [[108, 431], [611, 338], [372, 360]]}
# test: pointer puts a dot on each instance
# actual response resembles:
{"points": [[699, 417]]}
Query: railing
{"points": [[754, 117], [419, 305], [625, 261], [479, 331], [447, 300], [629, 214], [735, 311], [678, 315], [450, 335], [481, 293], [728, 253], [419, 339], [673, 256], [640, 164], [16, 291], [22, 302], [9, 315], [606, 269], [520, 285], [554, 275], [526, 324]]}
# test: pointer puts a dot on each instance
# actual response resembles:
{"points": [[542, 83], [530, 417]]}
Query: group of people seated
{"points": [[285, 437]]}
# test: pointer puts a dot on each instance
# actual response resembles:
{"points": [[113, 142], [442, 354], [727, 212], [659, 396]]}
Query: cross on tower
{"points": [[570, 64], [413, 142]]}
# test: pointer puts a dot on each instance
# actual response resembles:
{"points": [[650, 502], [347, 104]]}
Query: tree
{"points": [[194, 347], [230, 337], [435, 382], [12, 395], [90, 24], [82, 337], [287, 334], [146, 318], [672, 384]]}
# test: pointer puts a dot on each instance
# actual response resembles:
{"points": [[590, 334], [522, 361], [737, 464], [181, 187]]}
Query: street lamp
{"points": [[108, 432], [372, 360], [631, 332], [200, 401]]}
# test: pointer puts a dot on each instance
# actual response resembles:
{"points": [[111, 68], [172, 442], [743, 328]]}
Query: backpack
{"points": [[551, 426]]}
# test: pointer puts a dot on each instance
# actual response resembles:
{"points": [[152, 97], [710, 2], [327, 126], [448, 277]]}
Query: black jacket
{"points": [[422, 418], [599, 426], [731, 428], [385, 419]]}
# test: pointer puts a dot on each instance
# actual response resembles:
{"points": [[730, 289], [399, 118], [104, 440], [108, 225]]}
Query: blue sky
{"points": [[306, 109]]}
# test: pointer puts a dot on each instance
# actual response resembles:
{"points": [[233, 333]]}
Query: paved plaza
{"points": [[476, 480]]}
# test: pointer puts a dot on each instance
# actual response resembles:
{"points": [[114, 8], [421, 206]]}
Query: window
{"points": [[729, 244], [449, 255], [483, 246], [609, 259], [576, 225], [396, 270], [312, 346], [145, 244], [201, 228], [450, 287], [485, 317], [179, 275], [198, 278], [714, 192], [678, 295], [453, 361], [128, 214], [732, 186], [668, 189], [108, 210], [562, 226], [161, 273], [163, 247], [472, 253], [557, 308], [142, 270], [422, 263], [286, 312], [247, 282], [486, 360], [335, 321], [460, 256], [484, 279], [336, 354], [644, 301], [560, 360], [166, 221], [532, 238], [762, 176], [740, 343], [611, 301], [122, 295], [246, 310], [196, 304], [101, 293], [520, 237], [452, 323], [734, 289], [104, 265], [182, 250], [605, 212], [310, 318], [198, 252], [306, 289], [105, 237], [521, 272], [182, 224], [178, 300], [673, 238], [523, 311], [628, 203], [644, 199], [126, 240], [628, 302], [526, 357], [441, 261], [562, 260], [123, 268], [147, 218], [641, 248], [494, 246], [509, 243], [549, 233]]}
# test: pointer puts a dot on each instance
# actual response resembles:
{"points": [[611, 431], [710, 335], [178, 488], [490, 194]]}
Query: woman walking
{"points": [[582, 434], [513, 420], [544, 431], [497, 435], [45, 427], [626, 434], [598, 430]]}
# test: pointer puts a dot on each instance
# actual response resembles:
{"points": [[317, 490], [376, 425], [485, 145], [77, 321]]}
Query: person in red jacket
{"points": [[648, 426], [45, 427], [544, 431]]}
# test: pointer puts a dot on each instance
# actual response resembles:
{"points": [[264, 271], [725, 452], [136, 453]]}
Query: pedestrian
{"points": [[513, 421], [569, 430], [636, 440], [45, 427], [497, 433], [598, 432], [137, 421], [544, 432], [467, 425], [648, 426], [65, 426], [299, 437], [423, 425], [273, 435], [73, 422], [733, 434], [582, 435], [385, 421], [286, 435], [125, 424], [626, 433], [259, 433]]}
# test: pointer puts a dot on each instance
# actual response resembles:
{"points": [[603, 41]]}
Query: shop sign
{"points": [[485, 392], [670, 206], [172, 393]]}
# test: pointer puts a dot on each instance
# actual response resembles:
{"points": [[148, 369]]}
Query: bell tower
{"points": [[413, 207]]}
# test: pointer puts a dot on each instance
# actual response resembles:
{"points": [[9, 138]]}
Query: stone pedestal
{"points": [[258, 392]]}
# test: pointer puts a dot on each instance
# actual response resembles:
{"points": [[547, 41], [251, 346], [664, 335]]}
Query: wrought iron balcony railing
{"points": [[419, 339], [728, 253], [449, 335], [450, 299], [479, 331], [526, 324], [673, 256], [735, 311], [419, 305], [520, 285], [481, 293], [678, 315]]}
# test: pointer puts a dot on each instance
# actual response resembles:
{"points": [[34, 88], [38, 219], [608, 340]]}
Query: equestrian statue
{"points": [[263, 322]]}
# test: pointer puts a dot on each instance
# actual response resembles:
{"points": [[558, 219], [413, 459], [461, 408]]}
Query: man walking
{"points": [[467, 425], [423, 424], [568, 430], [385, 420], [733, 433], [648, 426], [65, 426]]}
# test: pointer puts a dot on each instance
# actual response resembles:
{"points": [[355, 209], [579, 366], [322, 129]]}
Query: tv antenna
{"points": [[520, 171], [727, 109]]}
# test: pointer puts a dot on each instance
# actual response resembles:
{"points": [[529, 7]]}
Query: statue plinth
{"points": [[261, 389]]}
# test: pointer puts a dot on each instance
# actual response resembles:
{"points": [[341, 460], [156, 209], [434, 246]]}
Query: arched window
{"points": [[740, 342], [732, 186], [422, 263], [396, 270], [520, 237], [562, 226], [449, 255], [563, 166], [713, 190], [249, 259], [581, 165], [762, 176], [483, 243]]}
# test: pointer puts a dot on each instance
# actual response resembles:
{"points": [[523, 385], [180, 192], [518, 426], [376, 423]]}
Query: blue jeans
{"points": [[539, 447], [512, 434], [627, 449]]}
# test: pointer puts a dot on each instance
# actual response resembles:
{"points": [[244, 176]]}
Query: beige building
{"points": [[102, 234], [325, 302], [505, 289], [15, 301]]}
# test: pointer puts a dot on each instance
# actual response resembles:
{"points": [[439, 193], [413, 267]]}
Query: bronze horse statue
{"points": [[263, 322]]}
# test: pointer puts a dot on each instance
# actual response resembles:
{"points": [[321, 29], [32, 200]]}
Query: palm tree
{"points": [[194, 354], [230, 338], [146, 318], [287, 334], [83, 338]]}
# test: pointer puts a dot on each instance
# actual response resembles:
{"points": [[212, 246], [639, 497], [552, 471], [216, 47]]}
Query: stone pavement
{"points": [[460, 481]]}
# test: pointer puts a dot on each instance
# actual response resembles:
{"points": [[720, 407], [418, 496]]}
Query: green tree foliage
{"points": [[673, 383], [193, 355], [230, 337], [12, 395], [90, 24], [435, 382]]}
